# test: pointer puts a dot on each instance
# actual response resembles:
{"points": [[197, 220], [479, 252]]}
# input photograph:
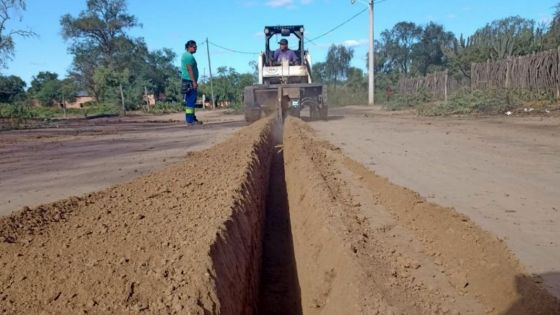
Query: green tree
{"points": [[100, 45], [229, 84], [49, 90], [160, 73], [12, 89], [103, 24], [356, 80], [551, 39], [318, 72], [428, 53], [397, 44], [338, 63], [9, 9], [511, 36], [38, 81]]}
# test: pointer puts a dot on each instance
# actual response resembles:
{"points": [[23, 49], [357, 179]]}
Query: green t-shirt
{"points": [[188, 59]]}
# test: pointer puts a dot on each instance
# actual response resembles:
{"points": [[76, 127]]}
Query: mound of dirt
{"points": [[182, 240]]}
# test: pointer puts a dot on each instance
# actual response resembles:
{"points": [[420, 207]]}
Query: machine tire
{"points": [[314, 113], [324, 112]]}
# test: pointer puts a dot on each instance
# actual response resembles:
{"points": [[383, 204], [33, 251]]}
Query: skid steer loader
{"points": [[285, 88]]}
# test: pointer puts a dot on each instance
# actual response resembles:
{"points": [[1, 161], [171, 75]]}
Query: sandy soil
{"points": [[502, 172], [81, 156]]}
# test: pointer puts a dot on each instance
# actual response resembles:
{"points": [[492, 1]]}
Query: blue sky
{"points": [[238, 24]]}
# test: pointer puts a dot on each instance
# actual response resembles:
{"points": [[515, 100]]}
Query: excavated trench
{"points": [[269, 222], [279, 288]]}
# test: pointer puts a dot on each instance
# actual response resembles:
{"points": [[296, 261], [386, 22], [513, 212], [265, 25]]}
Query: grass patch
{"points": [[402, 102], [22, 115], [165, 108]]}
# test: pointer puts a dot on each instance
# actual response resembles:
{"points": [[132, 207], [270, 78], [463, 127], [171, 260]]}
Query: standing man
{"points": [[189, 86]]}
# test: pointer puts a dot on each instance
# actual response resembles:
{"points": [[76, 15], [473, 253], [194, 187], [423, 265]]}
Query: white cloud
{"points": [[249, 3], [354, 42], [289, 4], [280, 3]]}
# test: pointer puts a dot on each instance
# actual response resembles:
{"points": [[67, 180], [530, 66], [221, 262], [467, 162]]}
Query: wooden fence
{"points": [[538, 72], [439, 84]]}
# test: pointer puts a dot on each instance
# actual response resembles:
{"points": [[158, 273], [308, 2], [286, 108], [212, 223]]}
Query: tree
{"points": [[160, 75], [9, 8], [318, 72], [100, 45], [500, 39], [103, 24], [556, 18], [398, 43], [428, 53], [49, 90], [551, 39], [12, 88], [38, 81], [338, 63], [255, 67], [356, 80], [229, 84]]}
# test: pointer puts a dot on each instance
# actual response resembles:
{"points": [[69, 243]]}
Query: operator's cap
{"points": [[283, 41]]}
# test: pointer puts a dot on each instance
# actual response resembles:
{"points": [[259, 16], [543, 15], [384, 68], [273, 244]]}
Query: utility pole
{"points": [[210, 72], [371, 94], [371, 54]]}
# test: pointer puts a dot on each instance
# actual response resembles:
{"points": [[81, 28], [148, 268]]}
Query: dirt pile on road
{"points": [[365, 246], [182, 240]]}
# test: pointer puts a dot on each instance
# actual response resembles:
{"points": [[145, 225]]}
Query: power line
{"points": [[307, 40], [343, 23], [338, 26], [233, 50]]}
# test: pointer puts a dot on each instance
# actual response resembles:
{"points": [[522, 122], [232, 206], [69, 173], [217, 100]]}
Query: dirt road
{"points": [[44, 165], [502, 172]]}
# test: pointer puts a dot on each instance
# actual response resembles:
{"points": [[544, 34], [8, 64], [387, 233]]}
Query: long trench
{"points": [[279, 287]]}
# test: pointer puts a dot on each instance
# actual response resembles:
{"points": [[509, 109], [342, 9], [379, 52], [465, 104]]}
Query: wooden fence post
{"points": [[472, 77], [487, 73], [445, 85], [508, 72], [558, 75]]}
